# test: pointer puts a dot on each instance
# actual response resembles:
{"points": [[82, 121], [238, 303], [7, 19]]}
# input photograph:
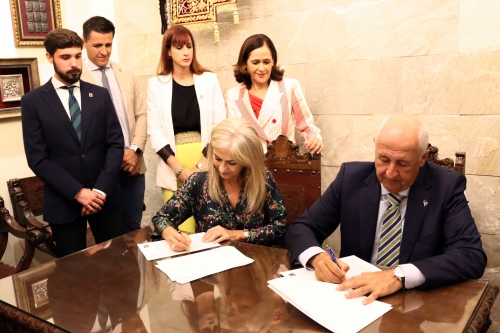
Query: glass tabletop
{"points": [[112, 288]]}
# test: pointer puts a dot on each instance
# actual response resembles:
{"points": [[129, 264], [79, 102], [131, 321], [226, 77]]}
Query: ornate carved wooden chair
{"points": [[458, 165], [26, 195], [297, 175], [9, 226]]}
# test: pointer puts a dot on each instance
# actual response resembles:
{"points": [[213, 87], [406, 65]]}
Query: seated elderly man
{"points": [[401, 212]]}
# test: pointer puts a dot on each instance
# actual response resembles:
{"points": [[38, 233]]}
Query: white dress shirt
{"points": [[64, 94], [413, 276], [116, 95]]}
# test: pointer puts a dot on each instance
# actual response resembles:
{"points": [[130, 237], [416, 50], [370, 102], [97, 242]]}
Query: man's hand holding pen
{"points": [[327, 270], [330, 269]]}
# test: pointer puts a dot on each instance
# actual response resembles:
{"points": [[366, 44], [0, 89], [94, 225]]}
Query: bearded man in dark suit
{"points": [[401, 212], [74, 144]]}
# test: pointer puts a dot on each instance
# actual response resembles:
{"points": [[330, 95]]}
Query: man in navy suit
{"points": [[74, 144], [437, 241]]}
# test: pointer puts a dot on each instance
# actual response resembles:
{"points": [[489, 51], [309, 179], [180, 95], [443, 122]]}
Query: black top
{"points": [[185, 109]]}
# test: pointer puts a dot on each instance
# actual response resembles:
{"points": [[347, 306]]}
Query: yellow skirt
{"points": [[188, 155]]}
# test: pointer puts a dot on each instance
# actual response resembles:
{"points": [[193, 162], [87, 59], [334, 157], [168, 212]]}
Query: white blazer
{"points": [[284, 108], [160, 127]]}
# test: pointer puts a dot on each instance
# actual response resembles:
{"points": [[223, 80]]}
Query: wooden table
{"points": [[79, 292]]}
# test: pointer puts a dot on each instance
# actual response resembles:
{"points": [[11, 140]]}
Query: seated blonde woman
{"points": [[233, 198]]}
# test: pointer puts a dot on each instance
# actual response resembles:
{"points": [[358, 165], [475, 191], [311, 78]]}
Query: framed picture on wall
{"points": [[32, 20], [18, 76]]}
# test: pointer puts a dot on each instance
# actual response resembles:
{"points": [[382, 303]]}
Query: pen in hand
{"points": [[332, 255]]}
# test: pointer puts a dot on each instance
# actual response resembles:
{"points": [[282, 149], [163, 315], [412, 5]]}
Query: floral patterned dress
{"points": [[192, 198]]}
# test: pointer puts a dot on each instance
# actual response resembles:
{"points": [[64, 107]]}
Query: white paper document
{"points": [[161, 249], [326, 305], [356, 267], [191, 267]]}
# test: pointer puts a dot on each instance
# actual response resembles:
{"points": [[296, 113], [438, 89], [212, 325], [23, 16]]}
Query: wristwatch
{"points": [[400, 275], [137, 150], [199, 165], [246, 234]]}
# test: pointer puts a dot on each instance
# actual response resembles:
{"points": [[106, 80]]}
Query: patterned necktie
{"points": [[390, 238], [74, 110], [105, 82]]}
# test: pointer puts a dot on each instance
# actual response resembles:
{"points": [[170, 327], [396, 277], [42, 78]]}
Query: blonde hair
{"points": [[241, 139]]}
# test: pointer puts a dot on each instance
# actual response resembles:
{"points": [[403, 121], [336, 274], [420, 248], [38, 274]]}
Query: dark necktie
{"points": [[390, 237], [74, 110]]}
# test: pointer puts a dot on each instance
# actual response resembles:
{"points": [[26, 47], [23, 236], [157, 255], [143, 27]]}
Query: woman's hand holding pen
{"points": [[178, 241], [327, 270]]}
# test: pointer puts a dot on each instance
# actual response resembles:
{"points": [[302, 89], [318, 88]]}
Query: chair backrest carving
{"points": [[8, 225], [297, 175], [458, 165], [26, 195]]}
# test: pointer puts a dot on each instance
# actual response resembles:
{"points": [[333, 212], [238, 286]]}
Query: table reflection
{"points": [[97, 289]]}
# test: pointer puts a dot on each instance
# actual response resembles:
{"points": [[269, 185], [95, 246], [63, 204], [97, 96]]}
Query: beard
{"points": [[70, 77]]}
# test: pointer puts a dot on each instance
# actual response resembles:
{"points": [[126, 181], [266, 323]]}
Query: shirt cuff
{"points": [[305, 256], [100, 192], [413, 276]]}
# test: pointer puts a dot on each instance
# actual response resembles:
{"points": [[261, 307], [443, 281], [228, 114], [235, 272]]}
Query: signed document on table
{"points": [[197, 265], [324, 304], [161, 249]]}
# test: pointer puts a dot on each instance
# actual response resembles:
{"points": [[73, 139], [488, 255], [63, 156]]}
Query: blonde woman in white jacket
{"points": [[184, 103], [272, 104]]}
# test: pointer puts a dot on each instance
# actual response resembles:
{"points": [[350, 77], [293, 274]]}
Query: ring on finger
{"points": [[219, 234], [173, 247]]}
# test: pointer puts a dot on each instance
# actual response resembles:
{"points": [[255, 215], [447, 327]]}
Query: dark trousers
{"points": [[132, 191], [72, 237]]}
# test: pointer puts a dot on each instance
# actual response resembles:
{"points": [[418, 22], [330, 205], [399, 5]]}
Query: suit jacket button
{"points": [[83, 155]]}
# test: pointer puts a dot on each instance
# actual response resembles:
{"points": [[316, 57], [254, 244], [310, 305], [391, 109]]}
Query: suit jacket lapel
{"points": [[416, 210], [270, 105], [54, 102], [368, 213], [87, 74], [86, 108], [201, 97], [243, 104]]}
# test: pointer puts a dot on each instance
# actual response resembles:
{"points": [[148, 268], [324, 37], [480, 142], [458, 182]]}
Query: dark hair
{"points": [[250, 44], [98, 24], [177, 35], [61, 39]]}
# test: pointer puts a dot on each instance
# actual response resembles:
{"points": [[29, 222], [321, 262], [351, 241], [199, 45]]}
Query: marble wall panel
{"points": [[328, 174], [142, 52], [132, 16], [479, 26], [324, 34], [396, 28], [286, 33], [492, 248], [480, 90], [354, 87], [444, 133], [452, 84], [432, 84], [480, 138], [483, 193], [224, 53], [337, 136]]}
